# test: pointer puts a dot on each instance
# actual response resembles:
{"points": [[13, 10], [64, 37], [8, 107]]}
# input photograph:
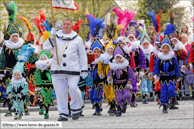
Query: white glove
{"points": [[53, 32], [150, 74], [155, 77], [84, 74], [141, 74], [19, 95], [191, 66], [183, 67], [129, 86], [109, 81], [89, 88], [136, 73], [178, 80], [37, 89], [10, 94], [1, 76]]}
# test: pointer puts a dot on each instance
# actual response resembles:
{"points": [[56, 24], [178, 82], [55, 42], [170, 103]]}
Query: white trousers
{"points": [[61, 83]]}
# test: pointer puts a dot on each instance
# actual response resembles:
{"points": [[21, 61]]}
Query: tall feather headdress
{"points": [[12, 27], [96, 25], [76, 26], [30, 37], [112, 28]]}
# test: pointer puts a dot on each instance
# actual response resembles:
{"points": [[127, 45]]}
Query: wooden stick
{"points": [[54, 36]]}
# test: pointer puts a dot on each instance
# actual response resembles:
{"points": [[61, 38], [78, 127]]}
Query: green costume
{"points": [[43, 80]]}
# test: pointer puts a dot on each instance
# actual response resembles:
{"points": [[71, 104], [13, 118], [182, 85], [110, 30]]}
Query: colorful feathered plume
{"points": [[170, 28], [129, 15], [11, 9], [124, 17], [112, 28], [171, 16], [30, 37], [96, 25], [155, 20], [76, 26], [38, 21], [26, 21], [47, 25], [42, 15], [119, 14], [25, 53]]}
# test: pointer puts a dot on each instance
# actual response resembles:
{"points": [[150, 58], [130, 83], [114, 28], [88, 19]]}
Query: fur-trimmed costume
{"points": [[140, 63], [167, 67], [103, 65], [95, 94], [122, 77], [18, 88], [146, 83], [31, 66], [15, 88], [43, 80], [10, 50]]}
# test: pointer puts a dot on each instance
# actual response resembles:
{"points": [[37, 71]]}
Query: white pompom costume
{"points": [[72, 63]]}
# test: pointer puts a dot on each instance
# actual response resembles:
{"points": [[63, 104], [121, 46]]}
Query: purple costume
{"points": [[122, 76], [140, 63]]}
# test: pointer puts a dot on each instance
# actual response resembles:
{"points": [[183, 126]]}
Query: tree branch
{"points": [[107, 11]]}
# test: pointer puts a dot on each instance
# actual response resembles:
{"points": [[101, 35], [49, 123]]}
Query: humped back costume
{"points": [[103, 65], [43, 80], [10, 50], [146, 82], [156, 23], [166, 66], [31, 66], [122, 77], [18, 88], [140, 61], [95, 95]]}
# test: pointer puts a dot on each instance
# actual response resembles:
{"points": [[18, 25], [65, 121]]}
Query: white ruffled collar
{"points": [[66, 36], [135, 44], [115, 66], [155, 51], [12, 45], [21, 80], [105, 58], [127, 49], [166, 56], [96, 60], [43, 64], [178, 46], [147, 51]]}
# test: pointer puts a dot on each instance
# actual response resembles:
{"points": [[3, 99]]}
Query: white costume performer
{"points": [[72, 63]]}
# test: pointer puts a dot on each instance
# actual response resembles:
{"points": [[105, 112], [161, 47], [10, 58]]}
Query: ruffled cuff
{"points": [[109, 81], [101, 76]]}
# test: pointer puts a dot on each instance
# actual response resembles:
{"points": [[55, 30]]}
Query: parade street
{"points": [[143, 116]]}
